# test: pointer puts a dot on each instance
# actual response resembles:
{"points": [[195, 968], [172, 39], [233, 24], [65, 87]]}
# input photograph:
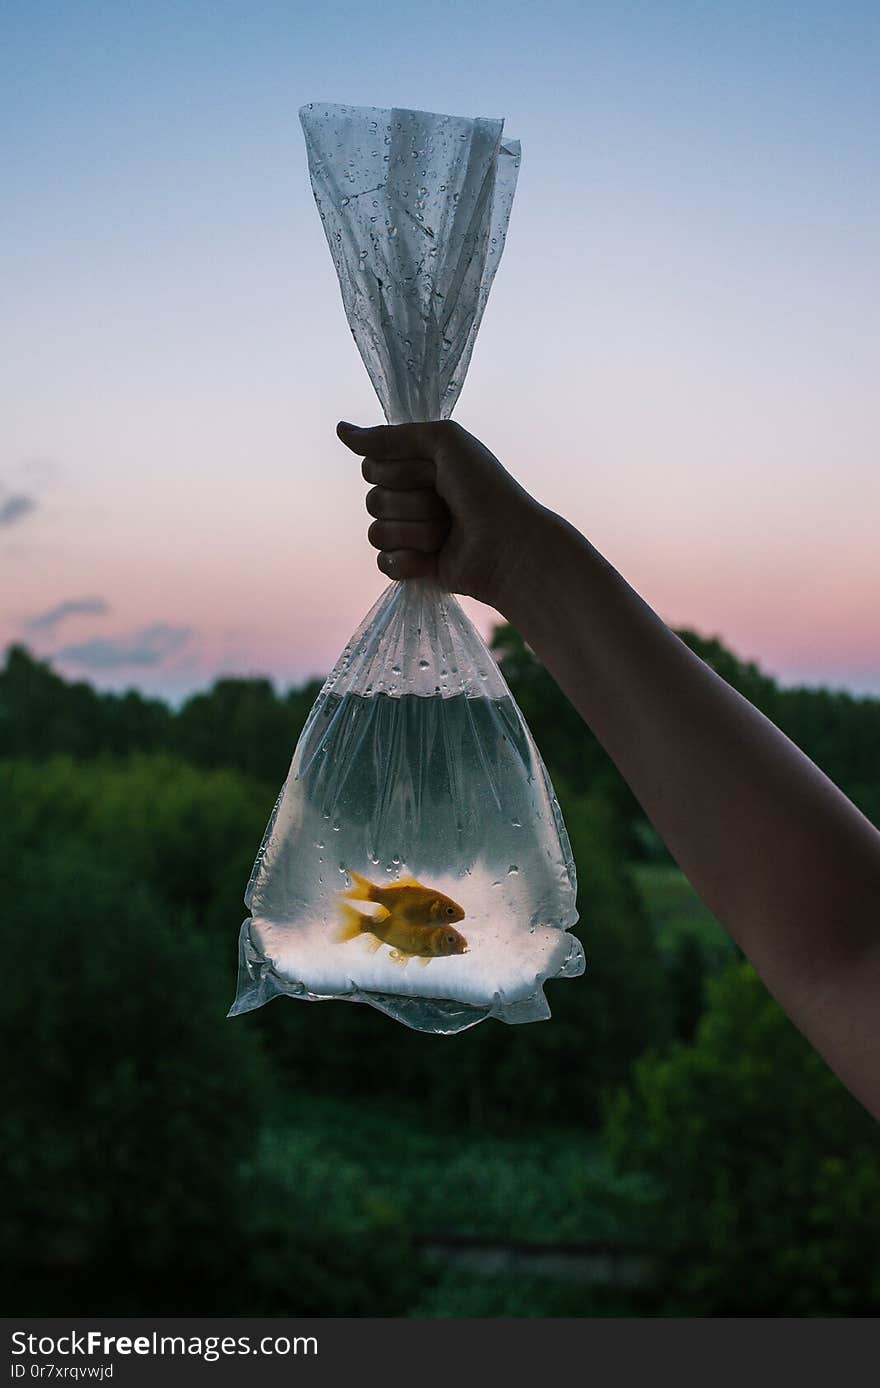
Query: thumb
{"points": [[387, 441]]}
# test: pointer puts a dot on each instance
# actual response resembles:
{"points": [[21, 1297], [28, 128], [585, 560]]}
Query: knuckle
{"points": [[369, 470], [374, 534], [374, 501]]}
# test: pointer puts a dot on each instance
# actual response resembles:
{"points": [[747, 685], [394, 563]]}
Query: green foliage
{"points": [[691, 943], [424, 1176], [41, 714], [769, 1171], [568, 747], [160, 1159], [189, 835], [839, 732], [117, 1069], [458, 1293], [244, 724], [359, 1181]]}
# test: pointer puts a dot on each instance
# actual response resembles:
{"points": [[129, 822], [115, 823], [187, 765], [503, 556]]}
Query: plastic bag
{"points": [[416, 858]]}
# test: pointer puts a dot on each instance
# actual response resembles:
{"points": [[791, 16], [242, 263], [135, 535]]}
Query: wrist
{"points": [[530, 548]]}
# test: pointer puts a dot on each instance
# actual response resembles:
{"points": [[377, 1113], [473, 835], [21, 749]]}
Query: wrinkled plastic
{"points": [[415, 762]]}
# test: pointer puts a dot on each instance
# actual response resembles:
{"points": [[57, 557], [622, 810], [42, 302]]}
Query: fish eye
{"points": [[450, 910]]}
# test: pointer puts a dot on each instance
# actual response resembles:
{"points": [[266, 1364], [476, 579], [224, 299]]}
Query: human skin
{"points": [[777, 852]]}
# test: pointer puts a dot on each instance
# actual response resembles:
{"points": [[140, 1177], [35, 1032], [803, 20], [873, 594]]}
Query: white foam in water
{"points": [[504, 961]]}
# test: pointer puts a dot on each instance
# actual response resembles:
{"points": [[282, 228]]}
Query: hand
{"points": [[444, 507]]}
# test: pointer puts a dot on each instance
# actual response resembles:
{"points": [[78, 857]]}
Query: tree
{"points": [[767, 1171], [127, 1106]]}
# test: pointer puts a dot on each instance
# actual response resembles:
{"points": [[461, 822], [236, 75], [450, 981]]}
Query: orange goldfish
{"points": [[415, 920]]}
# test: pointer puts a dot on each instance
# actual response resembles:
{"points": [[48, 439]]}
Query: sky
{"points": [[679, 352]]}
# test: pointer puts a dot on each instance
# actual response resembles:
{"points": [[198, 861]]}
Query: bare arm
{"points": [[781, 857]]}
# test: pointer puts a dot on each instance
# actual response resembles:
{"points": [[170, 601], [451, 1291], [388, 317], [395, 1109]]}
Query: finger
{"points": [[424, 536], [419, 504], [400, 476], [406, 563], [390, 441]]}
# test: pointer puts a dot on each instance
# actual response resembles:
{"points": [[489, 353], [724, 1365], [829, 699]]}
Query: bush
{"points": [[127, 1105], [768, 1172]]}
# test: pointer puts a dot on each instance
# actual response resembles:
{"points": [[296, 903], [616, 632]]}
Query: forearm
{"points": [[782, 858]]}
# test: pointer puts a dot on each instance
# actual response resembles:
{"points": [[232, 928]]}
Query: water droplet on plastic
{"points": [[423, 664], [395, 669], [512, 870], [516, 823]]}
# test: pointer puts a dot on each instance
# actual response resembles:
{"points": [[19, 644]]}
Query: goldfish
{"points": [[415, 920]]}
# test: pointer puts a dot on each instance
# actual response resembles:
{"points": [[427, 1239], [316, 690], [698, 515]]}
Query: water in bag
{"points": [[416, 858]]}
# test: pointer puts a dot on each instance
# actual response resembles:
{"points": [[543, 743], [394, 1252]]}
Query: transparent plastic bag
{"points": [[416, 858]]}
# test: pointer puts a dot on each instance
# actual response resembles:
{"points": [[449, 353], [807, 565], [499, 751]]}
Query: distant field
{"points": [[678, 914], [555, 1187], [512, 1203]]}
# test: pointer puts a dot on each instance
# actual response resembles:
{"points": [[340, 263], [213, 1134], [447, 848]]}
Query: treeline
{"points": [[244, 724]]}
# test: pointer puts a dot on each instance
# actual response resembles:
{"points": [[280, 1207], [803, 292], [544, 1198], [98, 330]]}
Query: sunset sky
{"points": [[680, 351]]}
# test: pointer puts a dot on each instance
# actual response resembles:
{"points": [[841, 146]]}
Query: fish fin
{"points": [[361, 888], [408, 881], [401, 959], [380, 914], [351, 923], [373, 943], [425, 960]]}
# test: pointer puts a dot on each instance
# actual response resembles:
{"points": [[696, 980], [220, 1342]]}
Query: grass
{"points": [[555, 1187], [678, 915]]}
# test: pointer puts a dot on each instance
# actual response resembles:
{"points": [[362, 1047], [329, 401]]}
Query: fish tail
{"points": [[361, 889], [351, 923]]}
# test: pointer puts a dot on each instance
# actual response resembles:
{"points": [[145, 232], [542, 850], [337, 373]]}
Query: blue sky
{"points": [[679, 352]]}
